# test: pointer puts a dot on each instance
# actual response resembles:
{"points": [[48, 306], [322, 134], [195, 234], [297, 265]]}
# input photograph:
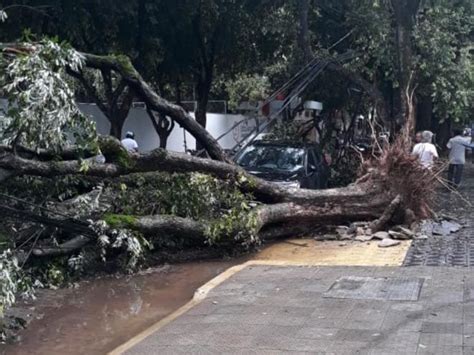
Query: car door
{"points": [[311, 177]]}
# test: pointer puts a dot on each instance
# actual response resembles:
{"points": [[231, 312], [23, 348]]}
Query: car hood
{"points": [[275, 175]]}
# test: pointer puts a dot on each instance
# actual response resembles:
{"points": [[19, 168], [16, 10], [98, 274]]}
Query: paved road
{"points": [[274, 310]]}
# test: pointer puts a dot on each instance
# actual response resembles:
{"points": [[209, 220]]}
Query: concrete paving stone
{"points": [[316, 286], [468, 340], [257, 351], [203, 338], [325, 322], [468, 328], [358, 335], [442, 314], [291, 301], [439, 350], [316, 333], [332, 309], [441, 339], [362, 313], [388, 351], [407, 307], [468, 318], [406, 341], [443, 297], [468, 350], [238, 318], [285, 343], [347, 348], [366, 324], [401, 324], [299, 319], [442, 328], [179, 328], [289, 320], [254, 330], [193, 350]]}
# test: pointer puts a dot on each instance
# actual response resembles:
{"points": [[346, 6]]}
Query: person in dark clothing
{"points": [[457, 157]]}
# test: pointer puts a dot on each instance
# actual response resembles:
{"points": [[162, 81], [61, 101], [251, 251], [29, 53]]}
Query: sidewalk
{"points": [[427, 308], [273, 310]]}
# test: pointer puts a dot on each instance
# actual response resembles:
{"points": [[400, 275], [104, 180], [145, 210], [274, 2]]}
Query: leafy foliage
{"points": [[12, 281], [445, 60], [247, 88], [41, 111], [195, 196]]}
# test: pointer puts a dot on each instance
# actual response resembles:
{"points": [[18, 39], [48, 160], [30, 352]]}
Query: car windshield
{"points": [[271, 158]]}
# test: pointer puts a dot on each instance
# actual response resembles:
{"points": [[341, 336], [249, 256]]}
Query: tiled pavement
{"points": [[274, 310], [456, 249]]}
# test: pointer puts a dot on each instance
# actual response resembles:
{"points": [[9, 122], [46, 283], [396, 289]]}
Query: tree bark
{"points": [[424, 113], [121, 163], [156, 103], [303, 31], [404, 13], [269, 218], [163, 127]]}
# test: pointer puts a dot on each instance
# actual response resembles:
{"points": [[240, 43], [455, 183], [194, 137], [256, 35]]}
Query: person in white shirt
{"points": [[457, 157], [130, 143], [426, 151]]}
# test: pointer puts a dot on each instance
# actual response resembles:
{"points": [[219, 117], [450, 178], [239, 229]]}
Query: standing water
{"points": [[102, 314]]}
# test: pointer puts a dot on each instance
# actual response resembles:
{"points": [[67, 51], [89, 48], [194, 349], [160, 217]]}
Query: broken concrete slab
{"points": [[451, 226], [381, 235], [404, 230], [364, 238], [360, 231], [387, 242], [398, 235], [421, 236]]}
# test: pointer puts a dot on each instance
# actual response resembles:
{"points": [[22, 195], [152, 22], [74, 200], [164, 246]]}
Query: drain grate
{"points": [[370, 288]]}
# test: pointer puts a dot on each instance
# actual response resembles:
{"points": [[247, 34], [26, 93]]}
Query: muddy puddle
{"points": [[102, 314]]}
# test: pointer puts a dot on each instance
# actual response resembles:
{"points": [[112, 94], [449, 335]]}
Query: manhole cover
{"points": [[370, 288]]}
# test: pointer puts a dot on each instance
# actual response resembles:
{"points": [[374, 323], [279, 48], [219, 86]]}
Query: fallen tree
{"points": [[242, 209]]}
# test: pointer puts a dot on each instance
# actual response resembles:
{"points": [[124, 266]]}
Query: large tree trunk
{"points": [[303, 31], [163, 127], [116, 128], [119, 163], [424, 113], [404, 13], [203, 87], [156, 103]]}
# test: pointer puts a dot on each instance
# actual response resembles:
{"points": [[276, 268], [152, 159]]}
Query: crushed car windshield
{"points": [[272, 158]]}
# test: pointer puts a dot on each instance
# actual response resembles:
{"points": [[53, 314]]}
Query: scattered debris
{"points": [[364, 238], [387, 242], [360, 231], [421, 236], [399, 236], [381, 235], [404, 230]]}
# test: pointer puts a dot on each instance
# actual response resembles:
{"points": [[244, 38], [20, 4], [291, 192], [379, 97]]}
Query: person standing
{"points": [[130, 143], [418, 137], [426, 151], [457, 157]]}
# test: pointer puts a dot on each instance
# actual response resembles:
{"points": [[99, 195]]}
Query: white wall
{"points": [[139, 122]]}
